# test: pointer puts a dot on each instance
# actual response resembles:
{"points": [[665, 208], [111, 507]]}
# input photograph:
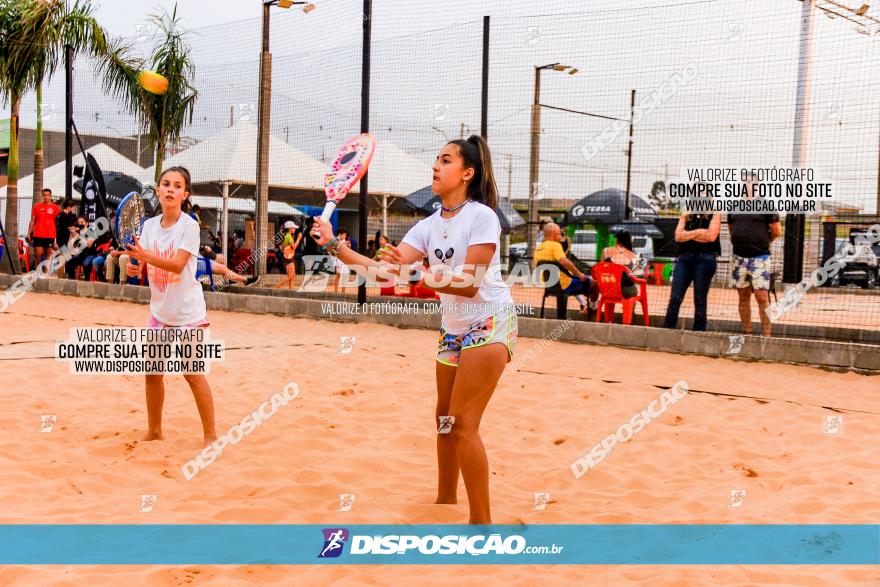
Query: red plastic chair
{"points": [[24, 253], [24, 257], [656, 273], [608, 276], [418, 290]]}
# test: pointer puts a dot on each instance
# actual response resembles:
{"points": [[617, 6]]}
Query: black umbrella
{"points": [[427, 202], [607, 207], [637, 227], [118, 185]]}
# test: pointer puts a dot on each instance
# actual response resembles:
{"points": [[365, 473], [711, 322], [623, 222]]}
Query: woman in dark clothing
{"points": [[699, 246], [622, 254]]}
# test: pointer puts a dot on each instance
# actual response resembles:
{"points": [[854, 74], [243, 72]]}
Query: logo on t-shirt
{"points": [[443, 257], [160, 277]]}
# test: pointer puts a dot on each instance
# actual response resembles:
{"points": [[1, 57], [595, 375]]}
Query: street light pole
{"points": [[629, 155], [68, 121], [533, 165], [261, 196], [534, 155], [366, 50], [262, 180], [795, 225]]}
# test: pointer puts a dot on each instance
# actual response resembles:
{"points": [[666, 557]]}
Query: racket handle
{"points": [[329, 207]]}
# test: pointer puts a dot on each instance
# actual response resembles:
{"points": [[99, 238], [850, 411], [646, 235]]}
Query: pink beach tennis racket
{"points": [[348, 168]]}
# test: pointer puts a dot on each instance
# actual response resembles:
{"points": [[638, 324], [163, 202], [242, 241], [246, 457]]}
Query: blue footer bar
{"points": [[625, 544]]}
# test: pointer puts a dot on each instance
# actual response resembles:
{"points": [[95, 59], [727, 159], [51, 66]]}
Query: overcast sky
{"points": [[740, 110]]}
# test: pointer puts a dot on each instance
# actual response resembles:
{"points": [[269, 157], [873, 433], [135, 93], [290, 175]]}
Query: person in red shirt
{"points": [[42, 228]]}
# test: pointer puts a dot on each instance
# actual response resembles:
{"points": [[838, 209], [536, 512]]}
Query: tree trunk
{"points": [[38, 148], [11, 222], [160, 159]]}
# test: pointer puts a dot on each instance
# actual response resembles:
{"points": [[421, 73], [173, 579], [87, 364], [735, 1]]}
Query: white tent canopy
{"points": [[395, 172], [53, 178], [231, 155], [244, 205]]}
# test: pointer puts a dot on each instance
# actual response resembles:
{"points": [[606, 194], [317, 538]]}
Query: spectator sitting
{"points": [[622, 254], [219, 267], [371, 248], [195, 214], [77, 261], [114, 263], [542, 222], [550, 251], [97, 259], [565, 241], [383, 241], [65, 228]]}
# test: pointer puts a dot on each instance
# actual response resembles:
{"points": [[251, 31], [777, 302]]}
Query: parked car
{"points": [[583, 245], [864, 269], [517, 253], [643, 246]]}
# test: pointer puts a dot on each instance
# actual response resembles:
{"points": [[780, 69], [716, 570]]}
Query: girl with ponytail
{"points": [[479, 326]]}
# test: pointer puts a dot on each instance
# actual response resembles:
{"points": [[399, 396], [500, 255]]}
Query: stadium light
{"points": [[534, 153], [261, 188]]}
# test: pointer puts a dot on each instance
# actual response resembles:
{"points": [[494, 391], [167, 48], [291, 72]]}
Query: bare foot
{"points": [[209, 438], [446, 500], [154, 436]]}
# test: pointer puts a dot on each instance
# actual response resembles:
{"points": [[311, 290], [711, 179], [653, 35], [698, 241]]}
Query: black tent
{"points": [[607, 207], [117, 185], [427, 202]]}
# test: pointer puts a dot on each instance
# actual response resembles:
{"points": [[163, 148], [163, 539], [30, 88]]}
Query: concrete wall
{"points": [[819, 353]]}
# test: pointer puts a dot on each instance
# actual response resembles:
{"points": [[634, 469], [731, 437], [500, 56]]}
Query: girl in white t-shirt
{"points": [[461, 241], [169, 245]]}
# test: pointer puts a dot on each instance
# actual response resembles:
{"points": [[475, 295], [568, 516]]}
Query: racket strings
{"points": [[130, 220]]}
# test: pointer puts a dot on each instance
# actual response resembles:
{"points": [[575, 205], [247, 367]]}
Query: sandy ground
{"points": [[364, 425]]}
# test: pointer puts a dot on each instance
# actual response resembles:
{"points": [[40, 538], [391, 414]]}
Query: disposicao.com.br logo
{"points": [[449, 544]]}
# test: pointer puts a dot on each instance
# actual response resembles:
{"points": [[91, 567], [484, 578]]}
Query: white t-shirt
{"points": [[175, 300], [474, 224]]}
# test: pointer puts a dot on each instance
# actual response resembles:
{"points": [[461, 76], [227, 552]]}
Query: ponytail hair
{"points": [[475, 154]]}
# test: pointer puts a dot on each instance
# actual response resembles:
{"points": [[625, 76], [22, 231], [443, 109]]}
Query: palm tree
{"points": [[162, 118], [38, 147], [33, 34]]}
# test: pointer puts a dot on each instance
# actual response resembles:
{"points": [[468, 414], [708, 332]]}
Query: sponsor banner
{"points": [[667, 544]]}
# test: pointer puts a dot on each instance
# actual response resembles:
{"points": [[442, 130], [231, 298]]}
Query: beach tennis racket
{"points": [[348, 168], [130, 217]]}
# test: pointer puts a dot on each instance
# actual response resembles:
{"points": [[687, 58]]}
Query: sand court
{"points": [[363, 424]]}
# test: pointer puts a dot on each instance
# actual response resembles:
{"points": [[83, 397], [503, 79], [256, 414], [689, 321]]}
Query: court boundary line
{"points": [[834, 355]]}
